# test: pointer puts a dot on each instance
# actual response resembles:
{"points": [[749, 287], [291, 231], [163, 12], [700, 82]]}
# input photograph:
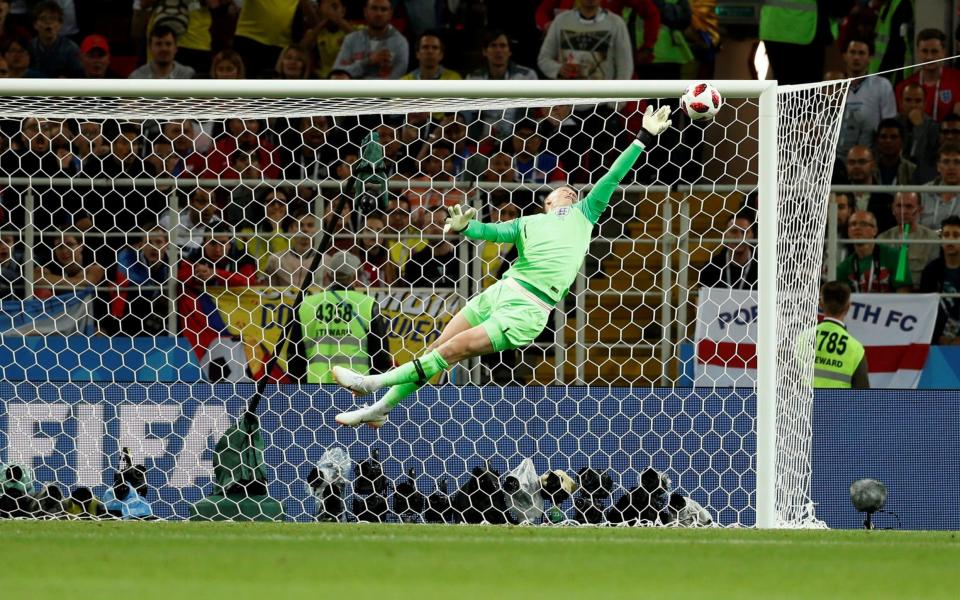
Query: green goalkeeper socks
{"points": [[397, 393], [418, 370]]}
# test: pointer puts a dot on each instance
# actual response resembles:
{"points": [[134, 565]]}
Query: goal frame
{"points": [[764, 91]]}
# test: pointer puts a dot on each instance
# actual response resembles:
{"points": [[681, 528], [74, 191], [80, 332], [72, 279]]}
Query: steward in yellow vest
{"points": [[342, 326], [840, 359]]}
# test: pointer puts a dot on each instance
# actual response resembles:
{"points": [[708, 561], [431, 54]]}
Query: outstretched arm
{"points": [[654, 123], [461, 220], [500, 233]]}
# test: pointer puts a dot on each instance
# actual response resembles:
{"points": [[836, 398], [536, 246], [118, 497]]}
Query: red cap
{"points": [[94, 41]]}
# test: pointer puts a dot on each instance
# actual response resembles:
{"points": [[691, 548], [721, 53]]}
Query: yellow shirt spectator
{"points": [[443, 74], [267, 21]]}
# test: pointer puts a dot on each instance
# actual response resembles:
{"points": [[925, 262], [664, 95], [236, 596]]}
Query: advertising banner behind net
{"points": [[895, 330]]}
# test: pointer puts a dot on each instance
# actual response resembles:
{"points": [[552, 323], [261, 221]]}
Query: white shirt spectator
{"points": [[599, 48], [872, 98]]}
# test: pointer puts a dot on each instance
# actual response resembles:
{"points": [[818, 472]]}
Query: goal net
{"points": [[156, 241]]}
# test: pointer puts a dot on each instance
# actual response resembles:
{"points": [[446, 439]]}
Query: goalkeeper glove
{"points": [[654, 123], [459, 218]]}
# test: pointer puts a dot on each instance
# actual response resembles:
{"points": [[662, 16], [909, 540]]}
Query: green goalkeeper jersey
{"points": [[551, 247]]}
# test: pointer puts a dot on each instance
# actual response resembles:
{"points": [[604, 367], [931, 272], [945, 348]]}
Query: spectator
{"points": [[435, 263], [372, 251], [293, 63], [861, 170], [942, 276], [309, 146], [436, 166], [227, 64], [893, 168], [71, 266], [4, 69], [422, 15], [663, 54], [587, 43], [5, 26], [532, 162], [16, 52], [95, 58], [950, 129], [498, 64], [339, 224], [290, 267], [844, 203], [403, 227], [163, 49], [734, 265], [906, 210], [328, 36], [195, 44], [941, 84], [139, 304], [429, 57], [377, 52], [11, 269], [220, 261], [871, 97], [921, 137], [872, 268], [244, 135], [270, 239], [53, 54], [936, 206], [189, 227], [265, 28], [893, 35]]}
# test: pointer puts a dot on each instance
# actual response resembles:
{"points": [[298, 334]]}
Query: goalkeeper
{"points": [[512, 312]]}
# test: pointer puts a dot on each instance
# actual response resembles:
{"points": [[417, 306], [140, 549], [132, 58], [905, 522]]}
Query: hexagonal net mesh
{"points": [[162, 257]]}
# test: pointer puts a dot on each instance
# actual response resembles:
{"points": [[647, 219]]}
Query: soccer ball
{"points": [[701, 101]]}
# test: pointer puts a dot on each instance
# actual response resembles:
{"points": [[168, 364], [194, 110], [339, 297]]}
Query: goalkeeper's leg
{"points": [[474, 341], [375, 415], [502, 317]]}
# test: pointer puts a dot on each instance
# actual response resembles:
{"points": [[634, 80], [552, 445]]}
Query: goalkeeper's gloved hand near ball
{"points": [[460, 217], [654, 123]]}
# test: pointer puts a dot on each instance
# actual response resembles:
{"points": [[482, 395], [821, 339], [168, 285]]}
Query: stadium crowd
{"points": [[131, 242]]}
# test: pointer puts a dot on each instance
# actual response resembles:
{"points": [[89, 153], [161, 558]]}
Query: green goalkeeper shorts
{"points": [[512, 316]]}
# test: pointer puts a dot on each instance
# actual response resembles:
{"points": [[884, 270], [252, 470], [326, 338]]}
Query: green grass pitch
{"points": [[285, 560]]}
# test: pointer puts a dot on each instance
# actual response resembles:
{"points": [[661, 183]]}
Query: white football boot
{"points": [[372, 416], [360, 385]]}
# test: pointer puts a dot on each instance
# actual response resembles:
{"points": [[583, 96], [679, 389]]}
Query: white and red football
{"points": [[701, 101]]}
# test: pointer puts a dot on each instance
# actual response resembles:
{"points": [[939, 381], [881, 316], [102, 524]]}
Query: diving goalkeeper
{"points": [[512, 312]]}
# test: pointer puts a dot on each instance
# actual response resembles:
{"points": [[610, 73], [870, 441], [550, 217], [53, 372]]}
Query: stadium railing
{"points": [[672, 292]]}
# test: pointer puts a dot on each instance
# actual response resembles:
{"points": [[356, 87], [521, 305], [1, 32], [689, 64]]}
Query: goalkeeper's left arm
{"points": [[654, 123]]}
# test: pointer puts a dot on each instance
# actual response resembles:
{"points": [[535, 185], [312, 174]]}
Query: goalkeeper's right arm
{"points": [[654, 123]]}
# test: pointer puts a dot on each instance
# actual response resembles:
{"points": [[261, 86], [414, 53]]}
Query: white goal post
{"points": [[779, 319]]}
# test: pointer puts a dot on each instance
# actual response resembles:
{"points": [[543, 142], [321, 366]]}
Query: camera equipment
{"points": [[370, 487], [408, 502], [595, 488], [438, 505], [868, 496]]}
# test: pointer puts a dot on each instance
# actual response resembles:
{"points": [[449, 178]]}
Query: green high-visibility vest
{"points": [[838, 354], [670, 47], [788, 21], [882, 38], [335, 326]]}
